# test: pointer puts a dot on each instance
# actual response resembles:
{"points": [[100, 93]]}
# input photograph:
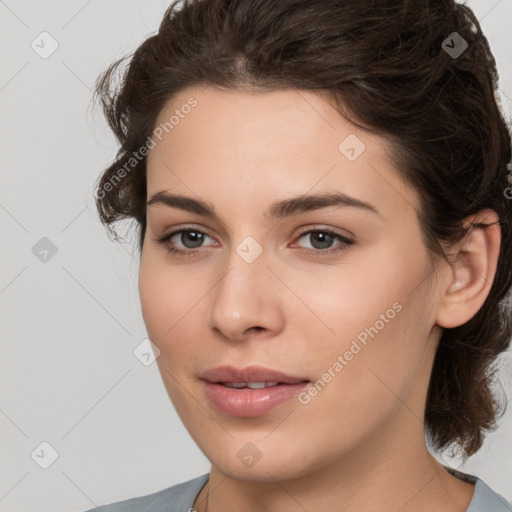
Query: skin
{"points": [[359, 444]]}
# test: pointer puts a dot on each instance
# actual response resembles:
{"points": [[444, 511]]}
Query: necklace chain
{"points": [[207, 498]]}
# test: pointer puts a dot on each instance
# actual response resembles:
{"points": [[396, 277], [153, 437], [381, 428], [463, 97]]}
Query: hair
{"points": [[385, 65]]}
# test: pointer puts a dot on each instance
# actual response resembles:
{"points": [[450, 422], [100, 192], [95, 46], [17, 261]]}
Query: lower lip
{"points": [[250, 403]]}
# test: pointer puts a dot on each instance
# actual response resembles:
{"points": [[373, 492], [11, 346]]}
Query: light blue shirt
{"points": [[181, 497]]}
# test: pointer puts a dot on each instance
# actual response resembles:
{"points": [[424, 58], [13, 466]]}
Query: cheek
{"points": [[168, 296], [375, 317], [340, 302]]}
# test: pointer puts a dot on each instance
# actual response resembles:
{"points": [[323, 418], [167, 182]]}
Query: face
{"points": [[337, 295]]}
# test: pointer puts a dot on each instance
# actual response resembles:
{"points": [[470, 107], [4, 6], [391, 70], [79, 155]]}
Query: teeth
{"points": [[258, 385], [251, 385]]}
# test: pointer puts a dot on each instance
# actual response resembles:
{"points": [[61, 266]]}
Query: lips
{"points": [[250, 374], [249, 392]]}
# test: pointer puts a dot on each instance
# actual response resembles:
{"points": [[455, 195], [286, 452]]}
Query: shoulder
{"points": [[177, 498], [487, 500], [484, 498]]}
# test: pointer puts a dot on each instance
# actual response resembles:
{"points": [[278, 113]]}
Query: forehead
{"points": [[268, 144], [274, 120]]}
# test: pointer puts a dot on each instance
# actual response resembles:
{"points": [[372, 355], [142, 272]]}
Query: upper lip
{"points": [[248, 374]]}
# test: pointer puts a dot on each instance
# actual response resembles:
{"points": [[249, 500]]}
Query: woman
{"points": [[325, 237]]}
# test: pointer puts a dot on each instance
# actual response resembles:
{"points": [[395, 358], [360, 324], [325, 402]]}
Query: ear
{"points": [[473, 263]]}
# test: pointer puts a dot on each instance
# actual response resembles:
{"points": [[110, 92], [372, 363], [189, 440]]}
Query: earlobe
{"points": [[473, 266]]}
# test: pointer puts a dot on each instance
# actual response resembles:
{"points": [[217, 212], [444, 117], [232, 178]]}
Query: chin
{"points": [[244, 457]]}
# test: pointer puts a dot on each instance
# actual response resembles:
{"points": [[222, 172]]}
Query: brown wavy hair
{"points": [[385, 65]]}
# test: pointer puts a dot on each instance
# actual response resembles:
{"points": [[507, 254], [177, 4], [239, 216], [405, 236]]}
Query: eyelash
{"points": [[318, 253]]}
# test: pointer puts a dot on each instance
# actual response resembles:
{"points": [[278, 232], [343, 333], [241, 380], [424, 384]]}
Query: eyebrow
{"points": [[279, 209]]}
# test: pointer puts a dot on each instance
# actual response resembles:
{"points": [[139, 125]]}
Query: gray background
{"points": [[70, 324]]}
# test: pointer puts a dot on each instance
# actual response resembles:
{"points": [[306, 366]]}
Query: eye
{"points": [[322, 239], [191, 239]]}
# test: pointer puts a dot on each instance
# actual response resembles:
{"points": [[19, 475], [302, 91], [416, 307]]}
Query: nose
{"points": [[247, 300]]}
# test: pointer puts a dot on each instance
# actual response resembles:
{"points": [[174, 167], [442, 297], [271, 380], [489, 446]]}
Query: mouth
{"points": [[250, 392], [254, 377], [249, 385]]}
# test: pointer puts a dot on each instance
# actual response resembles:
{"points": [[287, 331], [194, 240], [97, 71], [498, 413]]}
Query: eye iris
{"points": [[325, 243], [194, 236]]}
